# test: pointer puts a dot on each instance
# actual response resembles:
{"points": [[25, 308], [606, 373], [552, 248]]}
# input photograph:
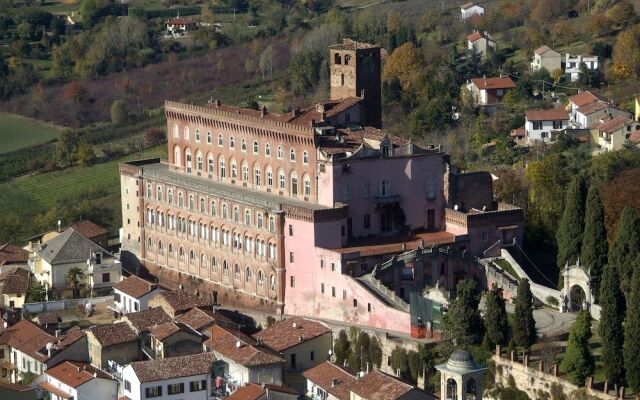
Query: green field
{"points": [[18, 132], [29, 195]]}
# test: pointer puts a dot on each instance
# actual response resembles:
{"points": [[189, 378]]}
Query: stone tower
{"points": [[355, 72], [461, 377]]}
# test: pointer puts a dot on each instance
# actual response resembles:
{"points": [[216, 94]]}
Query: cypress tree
{"points": [[463, 323], [571, 227], [524, 326], [578, 361], [611, 319], [495, 317], [632, 333], [625, 247], [594, 241]]}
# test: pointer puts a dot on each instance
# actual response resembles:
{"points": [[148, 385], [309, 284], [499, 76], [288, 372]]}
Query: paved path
{"points": [[550, 322]]}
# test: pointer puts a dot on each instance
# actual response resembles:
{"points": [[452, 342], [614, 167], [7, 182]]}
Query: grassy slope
{"points": [[17, 132]]}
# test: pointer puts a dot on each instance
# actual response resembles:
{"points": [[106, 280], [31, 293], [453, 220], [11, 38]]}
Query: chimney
{"points": [[334, 382], [217, 102], [320, 108], [263, 111]]}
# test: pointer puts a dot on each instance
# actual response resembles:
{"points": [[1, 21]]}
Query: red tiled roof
{"points": [[135, 287], [47, 318], [468, 5], [143, 320], [196, 319], [518, 132], [253, 391], [14, 282], [380, 386], [112, 334], [611, 125], [30, 339], [163, 331], [542, 49], [477, 36], [324, 374], [88, 229], [291, 332], [554, 114], [584, 98], [173, 367], [248, 354], [635, 137], [12, 254], [591, 108], [74, 373], [15, 387], [493, 83]]}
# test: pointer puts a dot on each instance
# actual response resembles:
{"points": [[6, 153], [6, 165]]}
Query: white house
{"points": [[329, 382], [52, 260], [177, 378], [77, 380], [468, 10], [132, 294], [480, 42], [542, 125], [547, 58], [243, 359], [587, 108], [253, 391], [572, 65]]}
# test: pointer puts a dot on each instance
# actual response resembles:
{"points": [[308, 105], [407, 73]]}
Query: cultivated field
{"points": [[17, 132]]}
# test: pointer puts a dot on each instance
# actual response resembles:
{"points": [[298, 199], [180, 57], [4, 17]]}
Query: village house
{"points": [[12, 255], [26, 348], [573, 62], [544, 125], [253, 391], [187, 378], [242, 359], [487, 93], [328, 381], [547, 58], [586, 108], [173, 340], [141, 321], [113, 342], [612, 133], [468, 10], [181, 26], [86, 228], [133, 294], [77, 380], [480, 42], [48, 320], [53, 259], [13, 287], [303, 344], [178, 302]]}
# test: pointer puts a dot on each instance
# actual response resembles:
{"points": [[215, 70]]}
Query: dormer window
{"points": [[98, 257], [385, 149]]}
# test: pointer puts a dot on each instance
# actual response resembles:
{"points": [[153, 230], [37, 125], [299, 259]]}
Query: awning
{"points": [[57, 391]]}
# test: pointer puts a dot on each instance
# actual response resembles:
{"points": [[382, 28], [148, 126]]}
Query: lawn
{"points": [[18, 132]]}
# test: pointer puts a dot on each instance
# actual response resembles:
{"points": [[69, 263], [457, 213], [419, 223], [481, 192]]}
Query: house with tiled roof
{"points": [[188, 377], [547, 58], [116, 342], [487, 93], [178, 302], [543, 125], [174, 339], [245, 359], [141, 321], [612, 132], [480, 42], [27, 348], [329, 381], [133, 294], [468, 10], [302, 342], [254, 391], [14, 284], [89, 229], [10, 254], [77, 380], [586, 109], [16, 391], [53, 259]]}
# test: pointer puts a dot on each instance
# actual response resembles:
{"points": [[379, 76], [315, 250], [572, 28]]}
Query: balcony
{"points": [[386, 200]]}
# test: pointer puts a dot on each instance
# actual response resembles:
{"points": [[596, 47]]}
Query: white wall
{"points": [[126, 303], [98, 389], [25, 363], [312, 391], [469, 12], [547, 126], [138, 389]]}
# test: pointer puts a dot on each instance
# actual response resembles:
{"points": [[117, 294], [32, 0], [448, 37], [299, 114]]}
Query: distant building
{"points": [[15, 391], [468, 10], [89, 229], [547, 58], [180, 26], [173, 340], [112, 342], [12, 255], [480, 42], [133, 294], [77, 380], [177, 302], [543, 125], [572, 65], [612, 132], [488, 93], [14, 285], [253, 391]]}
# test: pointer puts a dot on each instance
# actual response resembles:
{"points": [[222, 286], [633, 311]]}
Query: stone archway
{"points": [[452, 389], [576, 293], [470, 390], [577, 298]]}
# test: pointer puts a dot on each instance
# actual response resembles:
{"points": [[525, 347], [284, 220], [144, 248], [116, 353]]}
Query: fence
{"points": [[58, 305]]}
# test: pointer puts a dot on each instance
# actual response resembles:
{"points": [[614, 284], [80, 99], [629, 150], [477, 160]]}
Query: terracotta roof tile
{"points": [[380, 386], [493, 83], [611, 125], [248, 354], [74, 373], [591, 108], [12, 254], [135, 287], [47, 318], [112, 334], [324, 374], [13, 282], [468, 5], [30, 339], [196, 319], [254, 391], [15, 387], [543, 49], [291, 332], [584, 98], [163, 331], [143, 320], [180, 301], [174, 367], [554, 114], [88, 229]]}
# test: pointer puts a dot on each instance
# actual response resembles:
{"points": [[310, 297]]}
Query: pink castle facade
{"points": [[297, 212]]}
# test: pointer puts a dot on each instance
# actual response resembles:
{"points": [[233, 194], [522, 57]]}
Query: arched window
{"points": [[232, 142], [260, 278], [245, 171], [220, 141], [247, 217], [192, 257], [281, 180], [210, 164], [203, 261], [159, 194], [294, 184], [149, 244], [272, 224], [214, 266], [243, 145], [280, 153], [192, 204], [199, 162], [181, 254], [225, 268], [305, 157], [267, 150], [347, 58], [170, 250], [234, 169], [236, 272], [256, 176], [260, 221], [247, 275], [222, 172], [337, 58], [209, 137], [170, 196], [160, 247], [176, 156], [307, 185], [224, 211], [272, 282], [202, 207], [180, 200], [187, 159], [186, 133], [149, 191], [255, 147], [214, 210], [292, 155], [176, 130], [236, 214], [197, 135]]}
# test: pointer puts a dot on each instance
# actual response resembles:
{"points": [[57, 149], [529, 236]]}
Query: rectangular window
{"points": [[155, 391], [431, 187], [292, 281], [290, 230], [293, 361], [291, 256], [322, 288], [312, 355], [369, 307], [484, 236], [175, 388], [106, 277], [537, 125], [333, 291], [557, 124], [355, 302], [127, 386], [367, 221], [196, 386], [333, 266], [344, 295]]}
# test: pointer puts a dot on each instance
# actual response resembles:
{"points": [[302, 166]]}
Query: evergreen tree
{"points": [[578, 361], [611, 319], [376, 352], [594, 241], [342, 348], [463, 323], [495, 317], [625, 248], [571, 228], [524, 326], [632, 333]]}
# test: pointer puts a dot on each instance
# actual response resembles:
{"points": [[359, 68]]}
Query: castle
{"points": [[315, 212]]}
